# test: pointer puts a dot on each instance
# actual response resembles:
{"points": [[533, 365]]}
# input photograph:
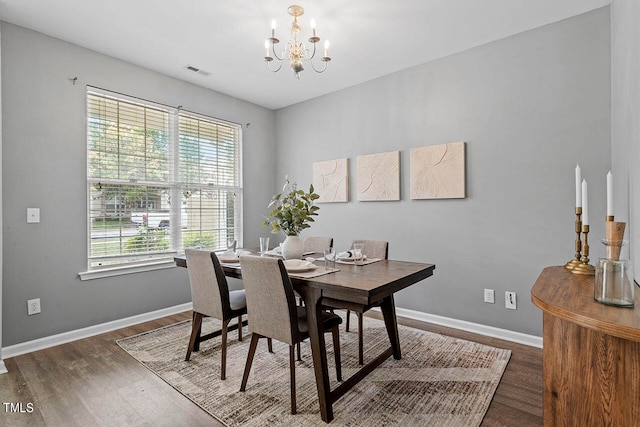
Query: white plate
{"points": [[298, 265]]}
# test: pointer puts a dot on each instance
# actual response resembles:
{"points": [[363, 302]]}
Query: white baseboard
{"points": [[65, 337], [490, 331], [51, 341]]}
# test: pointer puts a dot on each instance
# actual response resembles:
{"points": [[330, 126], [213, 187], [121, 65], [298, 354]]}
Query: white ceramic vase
{"points": [[292, 247]]}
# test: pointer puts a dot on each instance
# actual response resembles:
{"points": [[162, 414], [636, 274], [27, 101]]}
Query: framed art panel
{"points": [[438, 171], [331, 180], [379, 176]]}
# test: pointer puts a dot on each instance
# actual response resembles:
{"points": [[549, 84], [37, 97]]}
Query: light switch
{"points": [[33, 215]]}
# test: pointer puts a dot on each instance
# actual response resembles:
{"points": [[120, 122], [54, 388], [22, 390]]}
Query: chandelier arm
{"points": [[317, 70], [277, 69], [275, 54], [313, 54]]}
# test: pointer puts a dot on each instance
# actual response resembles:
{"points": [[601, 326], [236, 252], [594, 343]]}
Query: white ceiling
{"points": [[225, 38]]}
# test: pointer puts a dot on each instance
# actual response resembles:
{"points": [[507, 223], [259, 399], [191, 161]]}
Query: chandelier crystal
{"points": [[295, 51]]}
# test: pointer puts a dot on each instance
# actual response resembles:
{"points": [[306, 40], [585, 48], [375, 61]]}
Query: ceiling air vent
{"points": [[197, 70]]}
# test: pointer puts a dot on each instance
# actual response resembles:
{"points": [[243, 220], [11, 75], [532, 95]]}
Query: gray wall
{"points": [[625, 118], [44, 165], [529, 107]]}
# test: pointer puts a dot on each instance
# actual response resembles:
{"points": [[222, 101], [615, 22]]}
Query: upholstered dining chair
{"points": [[372, 249], [212, 298], [317, 244], [273, 313]]}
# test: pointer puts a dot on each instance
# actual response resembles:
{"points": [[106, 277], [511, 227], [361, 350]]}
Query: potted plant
{"points": [[291, 212]]}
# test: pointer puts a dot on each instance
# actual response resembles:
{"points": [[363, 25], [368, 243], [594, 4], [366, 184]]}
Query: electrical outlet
{"points": [[33, 215], [510, 300], [33, 306], [489, 296]]}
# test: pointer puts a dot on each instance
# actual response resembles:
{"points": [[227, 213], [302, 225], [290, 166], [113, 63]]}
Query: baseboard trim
{"points": [[65, 337], [505, 334], [51, 341]]}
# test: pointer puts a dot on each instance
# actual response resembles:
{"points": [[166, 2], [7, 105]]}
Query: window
{"points": [[159, 180]]}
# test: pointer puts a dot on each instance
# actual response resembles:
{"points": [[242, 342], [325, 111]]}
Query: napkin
{"points": [[297, 264], [228, 257], [275, 251], [348, 255]]}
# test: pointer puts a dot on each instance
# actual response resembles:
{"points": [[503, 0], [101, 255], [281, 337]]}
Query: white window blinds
{"points": [[159, 180]]}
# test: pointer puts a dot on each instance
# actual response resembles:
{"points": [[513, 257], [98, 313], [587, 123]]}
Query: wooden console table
{"points": [[591, 353]]}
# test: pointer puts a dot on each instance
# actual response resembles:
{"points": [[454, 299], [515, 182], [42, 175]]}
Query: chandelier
{"points": [[295, 51]]}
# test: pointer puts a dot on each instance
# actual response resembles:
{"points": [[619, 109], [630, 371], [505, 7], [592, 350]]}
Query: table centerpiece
{"points": [[291, 212]]}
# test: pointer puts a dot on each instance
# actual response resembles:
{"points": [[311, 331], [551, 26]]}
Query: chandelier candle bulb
{"points": [[326, 48], [313, 27], [273, 29]]}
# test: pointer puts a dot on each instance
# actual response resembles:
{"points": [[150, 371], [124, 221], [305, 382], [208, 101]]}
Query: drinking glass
{"points": [[264, 245], [330, 258], [358, 256], [231, 244]]}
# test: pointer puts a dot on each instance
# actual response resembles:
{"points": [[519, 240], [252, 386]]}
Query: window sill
{"points": [[130, 269]]}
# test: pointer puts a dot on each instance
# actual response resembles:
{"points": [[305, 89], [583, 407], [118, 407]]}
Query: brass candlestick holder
{"points": [[576, 261], [584, 267]]}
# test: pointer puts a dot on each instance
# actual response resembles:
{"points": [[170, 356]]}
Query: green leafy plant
{"points": [[202, 239], [148, 240], [292, 210]]}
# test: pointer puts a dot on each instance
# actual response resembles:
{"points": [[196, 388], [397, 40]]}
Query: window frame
{"points": [[176, 187]]}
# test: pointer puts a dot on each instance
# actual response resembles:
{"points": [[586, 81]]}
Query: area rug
{"points": [[440, 381]]}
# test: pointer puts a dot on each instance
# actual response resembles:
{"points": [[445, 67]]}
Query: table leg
{"points": [[311, 298], [388, 308]]}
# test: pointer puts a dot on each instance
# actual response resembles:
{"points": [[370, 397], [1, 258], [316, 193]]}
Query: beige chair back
{"points": [[317, 243], [271, 308], [375, 248], [209, 288]]}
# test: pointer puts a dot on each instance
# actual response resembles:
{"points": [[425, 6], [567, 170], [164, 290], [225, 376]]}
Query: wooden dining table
{"points": [[358, 288]]}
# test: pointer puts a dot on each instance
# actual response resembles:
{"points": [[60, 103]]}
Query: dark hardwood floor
{"points": [[93, 382]]}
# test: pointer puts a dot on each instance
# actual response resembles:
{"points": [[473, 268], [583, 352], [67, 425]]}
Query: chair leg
{"points": [[360, 340], [301, 304], [336, 352], [346, 326], [196, 346], [223, 336], [240, 328], [195, 333], [270, 345], [247, 366], [292, 371]]}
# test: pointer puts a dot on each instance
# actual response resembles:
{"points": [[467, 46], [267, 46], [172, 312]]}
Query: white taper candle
{"points": [[585, 204], [578, 186], [609, 194]]}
